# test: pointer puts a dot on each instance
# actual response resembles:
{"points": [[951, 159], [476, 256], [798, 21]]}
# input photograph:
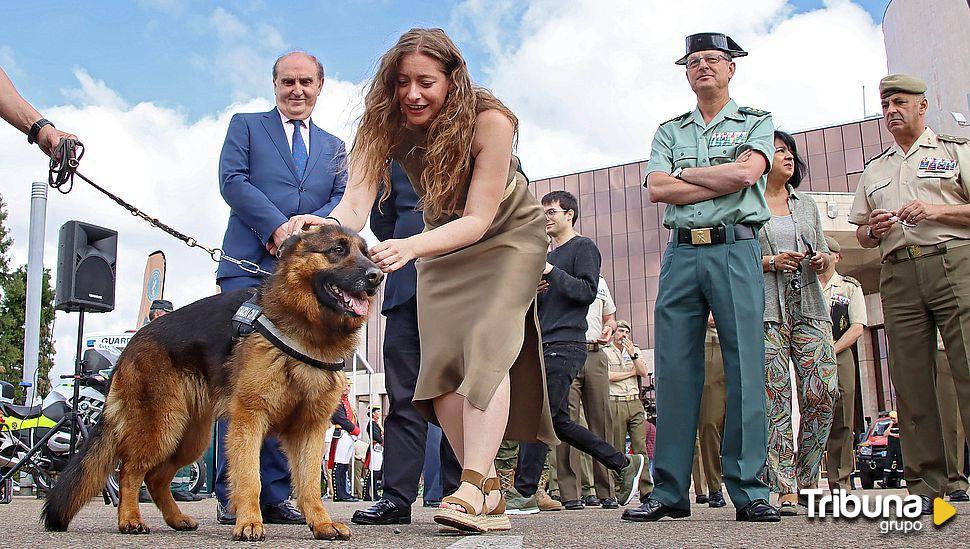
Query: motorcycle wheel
{"points": [[42, 481]]}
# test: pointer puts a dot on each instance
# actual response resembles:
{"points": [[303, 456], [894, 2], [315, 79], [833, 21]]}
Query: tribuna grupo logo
{"points": [[895, 513]]}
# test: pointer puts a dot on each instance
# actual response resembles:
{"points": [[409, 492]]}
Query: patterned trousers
{"points": [[808, 344]]}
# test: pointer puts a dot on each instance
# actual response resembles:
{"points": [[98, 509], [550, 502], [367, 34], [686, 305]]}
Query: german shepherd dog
{"points": [[187, 368]]}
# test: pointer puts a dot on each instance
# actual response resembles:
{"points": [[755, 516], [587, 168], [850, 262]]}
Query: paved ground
{"points": [[94, 527]]}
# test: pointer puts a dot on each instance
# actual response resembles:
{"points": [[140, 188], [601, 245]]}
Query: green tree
{"points": [[13, 298]]}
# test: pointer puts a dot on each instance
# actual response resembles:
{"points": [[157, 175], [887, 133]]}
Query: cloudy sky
{"points": [[149, 86]]}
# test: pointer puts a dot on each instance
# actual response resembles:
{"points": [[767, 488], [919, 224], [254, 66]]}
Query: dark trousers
{"points": [[564, 361], [405, 429], [341, 481], [274, 471]]}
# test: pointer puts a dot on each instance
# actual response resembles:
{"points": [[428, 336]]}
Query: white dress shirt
{"points": [[288, 130]]}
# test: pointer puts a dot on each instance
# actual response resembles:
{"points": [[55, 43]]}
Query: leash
{"points": [[65, 159]]}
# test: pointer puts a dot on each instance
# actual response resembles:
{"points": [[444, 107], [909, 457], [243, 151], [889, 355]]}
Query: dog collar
{"points": [[249, 317]]}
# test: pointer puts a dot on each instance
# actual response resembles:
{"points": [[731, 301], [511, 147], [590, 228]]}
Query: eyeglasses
{"points": [[711, 60], [551, 212]]}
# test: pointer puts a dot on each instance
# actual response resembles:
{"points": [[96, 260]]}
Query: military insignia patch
{"points": [[930, 166], [727, 139]]}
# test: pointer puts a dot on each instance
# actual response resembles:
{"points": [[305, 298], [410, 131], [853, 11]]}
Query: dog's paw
{"points": [[134, 526], [330, 530], [248, 531], [183, 523]]}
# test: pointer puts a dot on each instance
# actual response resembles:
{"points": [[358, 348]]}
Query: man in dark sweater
{"points": [[567, 289]]}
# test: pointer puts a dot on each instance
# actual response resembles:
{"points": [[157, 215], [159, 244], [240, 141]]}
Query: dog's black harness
{"points": [[249, 318]]}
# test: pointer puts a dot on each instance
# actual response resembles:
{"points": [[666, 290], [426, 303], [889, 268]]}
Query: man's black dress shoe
{"points": [[591, 501], [574, 505], [223, 514], [185, 495], [758, 511], [958, 495], [716, 500], [927, 505], [382, 512], [609, 503], [143, 496], [701, 499], [652, 510], [281, 513]]}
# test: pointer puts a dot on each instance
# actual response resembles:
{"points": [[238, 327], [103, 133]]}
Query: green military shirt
{"points": [[686, 142]]}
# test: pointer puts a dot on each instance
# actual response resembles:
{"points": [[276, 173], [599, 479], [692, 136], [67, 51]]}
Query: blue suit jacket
{"points": [[400, 218], [258, 180]]}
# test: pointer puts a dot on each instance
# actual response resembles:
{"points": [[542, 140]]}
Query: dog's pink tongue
{"points": [[360, 306]]}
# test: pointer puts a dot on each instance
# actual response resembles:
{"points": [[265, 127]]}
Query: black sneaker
{"points": [[701, 499], [223, 514], [144, 496], [716, 500], [958, 495]]}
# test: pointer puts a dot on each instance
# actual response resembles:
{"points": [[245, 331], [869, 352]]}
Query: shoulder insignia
{"points": [[851, 280], [953, 139], [878, 155], [678, 117], [753, 111]]}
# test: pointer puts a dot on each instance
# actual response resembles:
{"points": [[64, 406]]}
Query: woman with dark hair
{"points": [[480, 258], [797, 329]]}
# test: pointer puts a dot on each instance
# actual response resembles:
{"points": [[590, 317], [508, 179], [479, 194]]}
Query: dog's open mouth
{"points": [[358, 305]]}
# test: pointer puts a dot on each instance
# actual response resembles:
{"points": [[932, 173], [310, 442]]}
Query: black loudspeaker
{"points": [[86, 268]]}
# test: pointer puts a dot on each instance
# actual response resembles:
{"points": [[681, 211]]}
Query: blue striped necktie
{"points": [[300, 155]]}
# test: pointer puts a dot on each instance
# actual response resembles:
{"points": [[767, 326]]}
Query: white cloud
{"points": [[156, 159], [244, 55], [94, 92], [591, 80]]}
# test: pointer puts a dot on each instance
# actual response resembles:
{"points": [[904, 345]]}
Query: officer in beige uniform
{"points": [[591, 390], [707, 473], [626, 364], [954, 437], [848, 309], [913, 202]]}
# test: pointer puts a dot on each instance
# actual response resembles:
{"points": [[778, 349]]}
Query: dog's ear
{"points": [[288, 245]]}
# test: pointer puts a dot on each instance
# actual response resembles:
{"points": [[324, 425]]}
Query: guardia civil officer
{"points": [[847, 307], [708, 165], [913, 203]]}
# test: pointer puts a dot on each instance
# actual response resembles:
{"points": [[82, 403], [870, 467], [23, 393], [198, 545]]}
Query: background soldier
{"points": [[626, 364], [707, 472], [912, 203], [709, 165], [954, 437], [848, 308]]}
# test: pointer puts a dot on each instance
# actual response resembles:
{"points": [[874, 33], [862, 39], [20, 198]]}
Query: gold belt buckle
{"points": [[700, 236], [914, 251]]}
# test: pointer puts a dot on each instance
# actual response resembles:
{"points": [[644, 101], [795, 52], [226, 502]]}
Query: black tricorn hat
{"points": [[704, 41]]}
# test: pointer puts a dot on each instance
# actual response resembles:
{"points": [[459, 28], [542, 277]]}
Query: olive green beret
{"points": [[624, 324], [834, 245], [895, 83]]}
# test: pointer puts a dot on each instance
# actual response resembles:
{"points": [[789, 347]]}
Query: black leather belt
{"points": [[711, 235]]}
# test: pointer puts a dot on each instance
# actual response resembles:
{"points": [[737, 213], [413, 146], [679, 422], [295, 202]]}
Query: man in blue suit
{"points": [[405, 430], [274, 165]]}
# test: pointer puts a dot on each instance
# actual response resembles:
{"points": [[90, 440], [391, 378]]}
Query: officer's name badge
{"points": [[727, 139], [936, 166]]}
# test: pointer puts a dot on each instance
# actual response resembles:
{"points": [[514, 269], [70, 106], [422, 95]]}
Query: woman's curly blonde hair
{"points": [[449, 141]]}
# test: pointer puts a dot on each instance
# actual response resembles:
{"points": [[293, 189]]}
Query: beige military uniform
{"points": [[627, 410], [706, 472], [838, 462], [925, 286]]}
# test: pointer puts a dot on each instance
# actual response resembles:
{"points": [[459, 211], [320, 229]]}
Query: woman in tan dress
{"points": [[480, 258]]}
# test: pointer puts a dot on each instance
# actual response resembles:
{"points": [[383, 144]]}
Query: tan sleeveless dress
{"points": [[477, 307]]}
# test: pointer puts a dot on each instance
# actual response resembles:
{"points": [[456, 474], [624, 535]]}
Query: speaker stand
{"points": [[77, 382]]}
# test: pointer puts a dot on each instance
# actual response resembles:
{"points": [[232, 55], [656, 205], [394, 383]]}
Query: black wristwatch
{"points": [[635, 356], [35, 129]]}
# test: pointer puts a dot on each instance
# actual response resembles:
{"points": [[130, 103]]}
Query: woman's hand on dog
{"points": [[392, 254]]}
